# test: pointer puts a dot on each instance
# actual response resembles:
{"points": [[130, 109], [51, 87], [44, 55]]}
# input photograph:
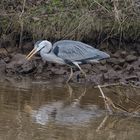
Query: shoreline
{"points": [[122, 67]]}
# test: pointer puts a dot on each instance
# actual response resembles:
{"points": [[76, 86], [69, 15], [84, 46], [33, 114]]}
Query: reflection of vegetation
{"points": [[123, 99], [75, 19]]}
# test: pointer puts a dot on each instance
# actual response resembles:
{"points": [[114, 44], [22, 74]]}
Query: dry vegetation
{"points": [[70, 19]]}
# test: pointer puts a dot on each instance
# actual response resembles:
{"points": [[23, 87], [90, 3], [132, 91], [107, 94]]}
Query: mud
{"points": [[123, 66]]}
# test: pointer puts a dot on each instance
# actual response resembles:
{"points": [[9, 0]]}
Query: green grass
{"points": [[72, 19]]}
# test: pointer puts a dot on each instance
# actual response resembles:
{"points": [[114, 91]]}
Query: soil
{"points": [[122, 66]]}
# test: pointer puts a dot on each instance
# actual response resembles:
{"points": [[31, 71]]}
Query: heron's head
{"points": [[39, 45]]}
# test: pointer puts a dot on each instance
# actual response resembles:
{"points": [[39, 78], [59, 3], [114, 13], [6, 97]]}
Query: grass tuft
{"points": [[71, 19]]}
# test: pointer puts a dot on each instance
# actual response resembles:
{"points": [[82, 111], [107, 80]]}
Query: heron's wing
{"points": [[77, 51]]}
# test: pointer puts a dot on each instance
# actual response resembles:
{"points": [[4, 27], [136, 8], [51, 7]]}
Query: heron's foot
{"points": [[84, 74], [79, 76]]}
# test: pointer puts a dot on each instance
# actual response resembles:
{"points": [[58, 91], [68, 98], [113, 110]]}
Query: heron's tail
{"points": [[104, 55]]}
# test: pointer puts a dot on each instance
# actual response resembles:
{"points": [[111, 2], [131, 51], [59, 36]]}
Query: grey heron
{"points": [[68, 52]]}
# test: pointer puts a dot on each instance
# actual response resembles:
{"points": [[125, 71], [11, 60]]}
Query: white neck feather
{"points": [[48, 46]]}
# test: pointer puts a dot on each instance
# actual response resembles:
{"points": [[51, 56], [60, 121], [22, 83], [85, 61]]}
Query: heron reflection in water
{"points": [[68, 52], [69, 110]]}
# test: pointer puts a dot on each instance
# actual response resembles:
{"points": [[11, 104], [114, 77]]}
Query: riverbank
{"points": [[123, 66], [111, 26]]}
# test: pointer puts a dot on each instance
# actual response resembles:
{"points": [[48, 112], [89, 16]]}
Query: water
{"points": [[51, 111]]}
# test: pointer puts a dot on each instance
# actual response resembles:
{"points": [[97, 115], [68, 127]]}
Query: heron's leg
{"points": [[76, 64], [71, 74]]}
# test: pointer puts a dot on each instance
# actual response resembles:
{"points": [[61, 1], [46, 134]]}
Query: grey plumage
{"points": [[77, 51]]}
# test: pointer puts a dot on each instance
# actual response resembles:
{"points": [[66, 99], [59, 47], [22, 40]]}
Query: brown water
{"points": [[51, 111]]}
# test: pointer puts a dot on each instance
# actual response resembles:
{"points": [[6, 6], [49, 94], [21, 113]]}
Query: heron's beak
{"points": [[28, 57]]}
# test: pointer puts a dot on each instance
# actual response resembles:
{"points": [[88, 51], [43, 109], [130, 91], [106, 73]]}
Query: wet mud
{"points": [[123, 66]]}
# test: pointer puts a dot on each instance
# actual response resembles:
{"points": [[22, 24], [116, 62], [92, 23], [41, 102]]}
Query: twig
{"points": [[117, 84], [102, 6], [21, 25], [117, 108], [23, 8], [105, 100], [108, 85], [108, 103], [131, 100], [137, 109]]}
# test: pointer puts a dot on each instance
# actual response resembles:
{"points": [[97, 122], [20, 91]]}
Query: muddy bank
{"points": [[123, 66]]}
